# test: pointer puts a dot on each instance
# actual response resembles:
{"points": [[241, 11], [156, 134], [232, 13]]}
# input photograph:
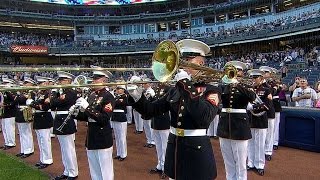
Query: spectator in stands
{"points": [[284, 71], [282, 95], [304, 96], [294, 86]]}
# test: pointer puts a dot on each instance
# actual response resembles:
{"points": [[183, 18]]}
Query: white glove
{"points": [[182, 74], [249, 106], [74, 110], [29, 101], [135, 92], [150, 92], [82, 103]]}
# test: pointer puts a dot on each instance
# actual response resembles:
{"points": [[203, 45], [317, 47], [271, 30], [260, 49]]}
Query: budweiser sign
{"points": [[29, 49]]}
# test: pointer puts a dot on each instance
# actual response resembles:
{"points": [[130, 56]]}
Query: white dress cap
{"points": [[135, 78], [63, 74], [266, 69], [255, 72], [193, 46], [29, 80], [41, 79], [237, 64], [105, 73], [9, 81]]}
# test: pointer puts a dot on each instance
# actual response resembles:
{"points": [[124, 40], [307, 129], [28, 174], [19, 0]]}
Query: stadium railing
{"points": [[277, 32]]}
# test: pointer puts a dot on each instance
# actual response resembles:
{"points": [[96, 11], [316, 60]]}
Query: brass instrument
{"points": [[28, 111], [260, 103], [44, 69], [28, 114], [166, 61]]}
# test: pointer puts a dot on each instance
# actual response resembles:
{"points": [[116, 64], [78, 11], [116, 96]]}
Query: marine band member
{"points": [[161, 129], [149, 94], [8, 117], [234, 126], [61, 104], [119, 121], [271, 112], [189, 153], [97, 111], [259, 124], [42, 123], [24, 126]]}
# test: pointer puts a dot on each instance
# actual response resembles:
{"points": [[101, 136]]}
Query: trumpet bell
{"points": [[165, 60], [230, 74], [80, 80]]}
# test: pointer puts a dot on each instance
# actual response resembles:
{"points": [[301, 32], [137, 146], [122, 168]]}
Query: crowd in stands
{"points": [[17, 38], [8, 39]]}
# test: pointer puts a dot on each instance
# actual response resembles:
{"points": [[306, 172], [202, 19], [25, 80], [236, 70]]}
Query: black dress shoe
{"points": [[138, 132], [38, 164], [26, 155], [260, 172], [163, 176], [72, 178], [268, 157], [62, 176], [121, 159], [250, 168], [8, 147], [43, 166], [116, 157], [151, 145], [19, 155], [275, 147], [155, 171]]}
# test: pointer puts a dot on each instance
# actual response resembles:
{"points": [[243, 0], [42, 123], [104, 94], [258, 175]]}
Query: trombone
{"points": [[45, 69], [165, 62]]}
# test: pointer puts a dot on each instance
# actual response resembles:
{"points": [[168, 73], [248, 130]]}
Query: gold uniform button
{"points": [[231, 96], [193, 93], [232, 92], [180, 115], [179, 123], [171, 100], [184, 81], [189, 87], [231, 101], [182, 108]]}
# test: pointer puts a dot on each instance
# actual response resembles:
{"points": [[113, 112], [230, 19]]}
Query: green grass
{"points": [[12, 168]]}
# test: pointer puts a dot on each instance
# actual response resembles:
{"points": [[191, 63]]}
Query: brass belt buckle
{"points": [[228, 110], [180, 132]]}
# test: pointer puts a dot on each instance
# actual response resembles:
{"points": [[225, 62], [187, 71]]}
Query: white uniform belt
{"points": [[62, 112], [118, 110], [22, 107], [91, 120], [275, 97], [230, 110], [188, 132], [39, 111]]}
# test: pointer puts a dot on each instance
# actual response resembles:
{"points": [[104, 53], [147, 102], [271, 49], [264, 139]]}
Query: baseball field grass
{"points": [[13, 168]]}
